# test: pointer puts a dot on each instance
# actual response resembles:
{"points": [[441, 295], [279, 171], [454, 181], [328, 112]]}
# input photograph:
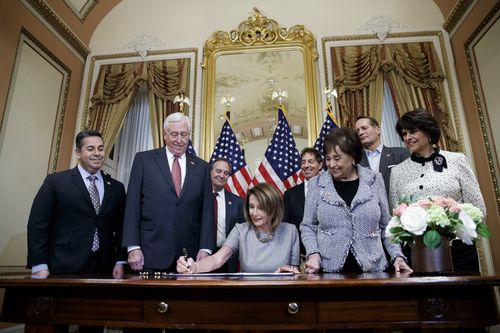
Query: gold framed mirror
{"points": [[248, 64]]}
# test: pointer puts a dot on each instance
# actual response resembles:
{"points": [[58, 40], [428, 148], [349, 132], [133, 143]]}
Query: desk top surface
{"points": [[331, 280]]}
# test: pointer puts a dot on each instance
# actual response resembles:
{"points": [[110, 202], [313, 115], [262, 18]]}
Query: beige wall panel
{"points": [[25, 146], [488, 62]]}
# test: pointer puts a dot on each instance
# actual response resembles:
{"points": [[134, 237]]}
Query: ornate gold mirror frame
{"points": [[228, 58]]}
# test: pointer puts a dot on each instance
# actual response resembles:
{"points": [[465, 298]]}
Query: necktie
{"points": [[216, 216], [176, 175], [94, 195]]}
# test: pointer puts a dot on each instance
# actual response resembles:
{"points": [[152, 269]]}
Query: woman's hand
{"points": [[288, 269], [400, 266], [188, 266], [313, 264]]}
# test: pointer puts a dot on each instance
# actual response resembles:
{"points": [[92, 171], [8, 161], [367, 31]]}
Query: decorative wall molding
{"points": [[381, 25], [59, 26], [84, 11], [143, 43], [489, 144], [456, 14]]}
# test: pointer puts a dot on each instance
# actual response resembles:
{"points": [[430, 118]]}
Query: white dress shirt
{"points": [[373, 157], [221, 218]]}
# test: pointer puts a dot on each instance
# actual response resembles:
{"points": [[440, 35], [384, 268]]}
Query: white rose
{"points": [[414, 220], [466, 231], [394, 222]]}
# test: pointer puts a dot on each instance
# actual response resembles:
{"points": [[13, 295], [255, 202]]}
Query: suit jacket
{"points": [[234, 214], [62, 223], [159, 221], [389, 157], [294, 208], [331, 228]]}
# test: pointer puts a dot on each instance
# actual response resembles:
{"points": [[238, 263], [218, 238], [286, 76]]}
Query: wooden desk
{"points": [[287, 302]]}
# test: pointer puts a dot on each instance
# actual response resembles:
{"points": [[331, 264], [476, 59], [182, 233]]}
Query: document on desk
{"points": [[234, 274]]}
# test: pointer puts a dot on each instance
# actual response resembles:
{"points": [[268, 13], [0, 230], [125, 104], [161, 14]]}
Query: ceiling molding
{"points": [[83, 12], [456, 14], [59, 26]]}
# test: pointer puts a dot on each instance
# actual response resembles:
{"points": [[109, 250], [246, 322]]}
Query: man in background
{"points": [[75, 223], [295, 197], [169, 203], [376, 156], [228, 208]]}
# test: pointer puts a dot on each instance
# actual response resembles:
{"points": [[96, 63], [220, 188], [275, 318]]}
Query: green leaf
{"points": [[483, 230], [432, 239]]}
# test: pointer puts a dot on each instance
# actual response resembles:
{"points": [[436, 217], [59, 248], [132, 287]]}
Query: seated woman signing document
{"points": [[264, 244]]}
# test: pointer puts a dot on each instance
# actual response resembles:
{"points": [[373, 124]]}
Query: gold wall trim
{"points": [[58, 25], [57, 135], [484, 123], [456, 14], [94, 59]]}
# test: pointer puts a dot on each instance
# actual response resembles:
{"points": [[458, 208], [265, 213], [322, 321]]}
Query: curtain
{"points": [[135, 135], [389, 135], [116, 86], [415, 80]]}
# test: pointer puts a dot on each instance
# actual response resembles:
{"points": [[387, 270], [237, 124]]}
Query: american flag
{"points": [[190, 148], [227, 147], [327, 127], [281, 166]]}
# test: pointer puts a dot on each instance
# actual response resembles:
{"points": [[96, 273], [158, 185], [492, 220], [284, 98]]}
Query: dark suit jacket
{"points": [[234, 214], [62, 223], [158, 221], [389, 157], [294, 208]]}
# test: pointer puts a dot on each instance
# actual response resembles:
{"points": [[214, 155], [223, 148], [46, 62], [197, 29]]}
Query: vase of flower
{"points": [[429, 260], [428, 224]]}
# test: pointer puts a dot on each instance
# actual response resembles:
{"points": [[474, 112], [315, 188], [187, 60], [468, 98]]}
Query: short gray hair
{"points": [[175, 118]]}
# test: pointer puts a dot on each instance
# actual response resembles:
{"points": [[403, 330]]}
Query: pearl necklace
{"points": [[263, 240]]}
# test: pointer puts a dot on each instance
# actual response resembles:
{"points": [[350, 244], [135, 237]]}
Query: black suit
{"points": [[159, 221], [294, 208], [389, 157], [62, 223], [234, 214]]}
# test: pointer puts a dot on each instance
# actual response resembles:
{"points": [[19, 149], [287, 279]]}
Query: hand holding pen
{"points": [[186, 265]]}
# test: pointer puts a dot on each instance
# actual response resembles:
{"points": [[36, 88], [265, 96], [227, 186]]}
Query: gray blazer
{"points": [[331, 228]]}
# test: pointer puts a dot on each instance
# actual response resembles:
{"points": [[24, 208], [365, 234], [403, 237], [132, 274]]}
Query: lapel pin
{"points": [[229, 202], [192, 162], [109, 183]]}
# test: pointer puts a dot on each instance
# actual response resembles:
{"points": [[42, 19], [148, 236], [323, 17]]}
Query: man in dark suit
{"points": [[169, 203], [228, 208], [377, 156], [295, 197], [75, 223], [69, 232]]}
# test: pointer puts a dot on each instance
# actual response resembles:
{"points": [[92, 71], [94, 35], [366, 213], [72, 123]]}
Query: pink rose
{"points": [[440, 201], [399, 210], [424, 203], [455, 208], [450, 202]]}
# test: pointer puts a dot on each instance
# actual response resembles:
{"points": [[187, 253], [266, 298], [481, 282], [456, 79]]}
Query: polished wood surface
{"points": [[326, 301]]}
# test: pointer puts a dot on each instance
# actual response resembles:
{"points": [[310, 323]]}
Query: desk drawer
{"points": [[229, 312], [368, 311]]}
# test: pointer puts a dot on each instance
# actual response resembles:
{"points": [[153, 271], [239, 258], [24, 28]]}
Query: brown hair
{"points": [[270, 201]]}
